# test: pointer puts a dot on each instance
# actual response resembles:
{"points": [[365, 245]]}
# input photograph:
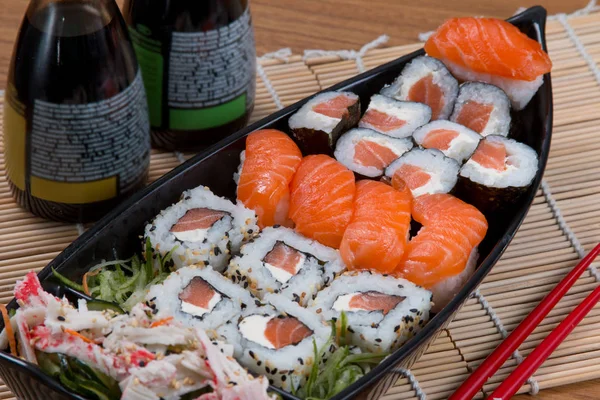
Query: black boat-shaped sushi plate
{"points": [[117, 234]]}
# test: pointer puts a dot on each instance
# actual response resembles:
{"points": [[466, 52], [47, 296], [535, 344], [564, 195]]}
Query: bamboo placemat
{"points": [[561, 226]]}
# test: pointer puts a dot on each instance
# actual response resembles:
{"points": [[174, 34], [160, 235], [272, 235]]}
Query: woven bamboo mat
{"points": [[562, 225]]}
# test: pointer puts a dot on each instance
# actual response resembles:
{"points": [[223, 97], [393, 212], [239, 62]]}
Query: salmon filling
{"points": [[425, 91], [382, 121], [414, 177], [336, 107], [367, 301], [440, 139], [475, 115], [284, 262], [195, 223], [371, 154], [491, 155], [274, 332], [198, 297]]}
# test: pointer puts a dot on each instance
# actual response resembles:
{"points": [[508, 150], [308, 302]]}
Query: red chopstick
{"points": [[515, 380], [494, 361]]}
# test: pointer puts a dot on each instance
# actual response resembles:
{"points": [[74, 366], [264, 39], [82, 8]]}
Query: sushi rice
{"points": [[289, 365], [211, 246], [460, 147], [418, 72], [371, 328], [381, 148], [442, 170], [227, 300], [315, 265]]}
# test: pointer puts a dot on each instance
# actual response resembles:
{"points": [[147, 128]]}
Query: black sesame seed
{"points": [[250, 231], [257, 302], [142, 363], [334, 319], [259, 363], [206, 262], [283, 378], [378, 340], [152, 228], [61, 318], [217, 251], [155, 311], [413, 310], [411, 329], [271, 381], [243, 305], [152, 299], [396, 328], [401, 286], [268, 370], [350, 330], [276, 226], [274, 371], [251, 354], [237, 271], [246, 285], [188, 197], [301, 361]]}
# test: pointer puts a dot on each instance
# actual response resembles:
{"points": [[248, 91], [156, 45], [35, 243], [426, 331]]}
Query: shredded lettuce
{"points": [[125, 282], [341, 369]]}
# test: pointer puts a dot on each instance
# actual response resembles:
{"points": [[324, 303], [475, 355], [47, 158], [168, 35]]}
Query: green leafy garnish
{"points": [[79, 377], [341, 369], [124, 282]]}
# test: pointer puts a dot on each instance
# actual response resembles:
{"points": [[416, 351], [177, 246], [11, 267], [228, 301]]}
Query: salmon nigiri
{"points": [[270, 161], [492, 51], [322, 198], [376, 238], [443, 252]]}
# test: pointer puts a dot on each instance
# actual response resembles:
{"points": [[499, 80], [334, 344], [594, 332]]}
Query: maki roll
{"points": [[198, 297], [426, 80], [424, 171], [277, 339], [454, 140], [201, 229], [283, 261], [367, 152], [382, 312], [318, 124], [483, 108], [499, 171], [394, 118]]}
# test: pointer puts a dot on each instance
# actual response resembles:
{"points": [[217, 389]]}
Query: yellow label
{"points": [[14, 144], [74, 192]]}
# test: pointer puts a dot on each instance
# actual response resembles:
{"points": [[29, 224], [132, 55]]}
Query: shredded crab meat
{"points": [[121, 346]]}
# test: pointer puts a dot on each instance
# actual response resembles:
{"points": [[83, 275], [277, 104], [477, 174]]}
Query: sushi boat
{"points": [[117, 235]]}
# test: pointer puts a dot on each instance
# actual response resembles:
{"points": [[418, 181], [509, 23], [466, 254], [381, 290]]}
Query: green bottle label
{"points": [[210, 75], [149, 55]]}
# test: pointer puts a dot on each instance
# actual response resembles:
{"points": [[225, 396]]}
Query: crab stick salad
{"points": [[344, 234], [128, 356]]}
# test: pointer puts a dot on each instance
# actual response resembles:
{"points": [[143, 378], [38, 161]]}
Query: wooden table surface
{"points": [[346, 24]]}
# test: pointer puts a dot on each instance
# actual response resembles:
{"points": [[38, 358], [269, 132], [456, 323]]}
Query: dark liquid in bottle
{"points": [[198, 61], [72, 82]]}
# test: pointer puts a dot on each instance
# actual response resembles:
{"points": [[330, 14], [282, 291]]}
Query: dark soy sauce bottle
{"points": [[76, 128], [199, 64]]}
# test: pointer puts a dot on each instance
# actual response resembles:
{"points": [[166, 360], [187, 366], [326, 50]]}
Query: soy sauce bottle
{"points": [[76, 127], [199, 63]]}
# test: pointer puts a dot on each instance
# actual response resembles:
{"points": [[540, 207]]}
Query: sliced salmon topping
{"points": [[490, 155], [282, 332], [382, 121], [475, 115], [198, 218], [412, 176], [425, 91], [375, 301], [198, 292], [439, 139], [372, 154], [336, 107], [489, 45], [284, 257]]}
